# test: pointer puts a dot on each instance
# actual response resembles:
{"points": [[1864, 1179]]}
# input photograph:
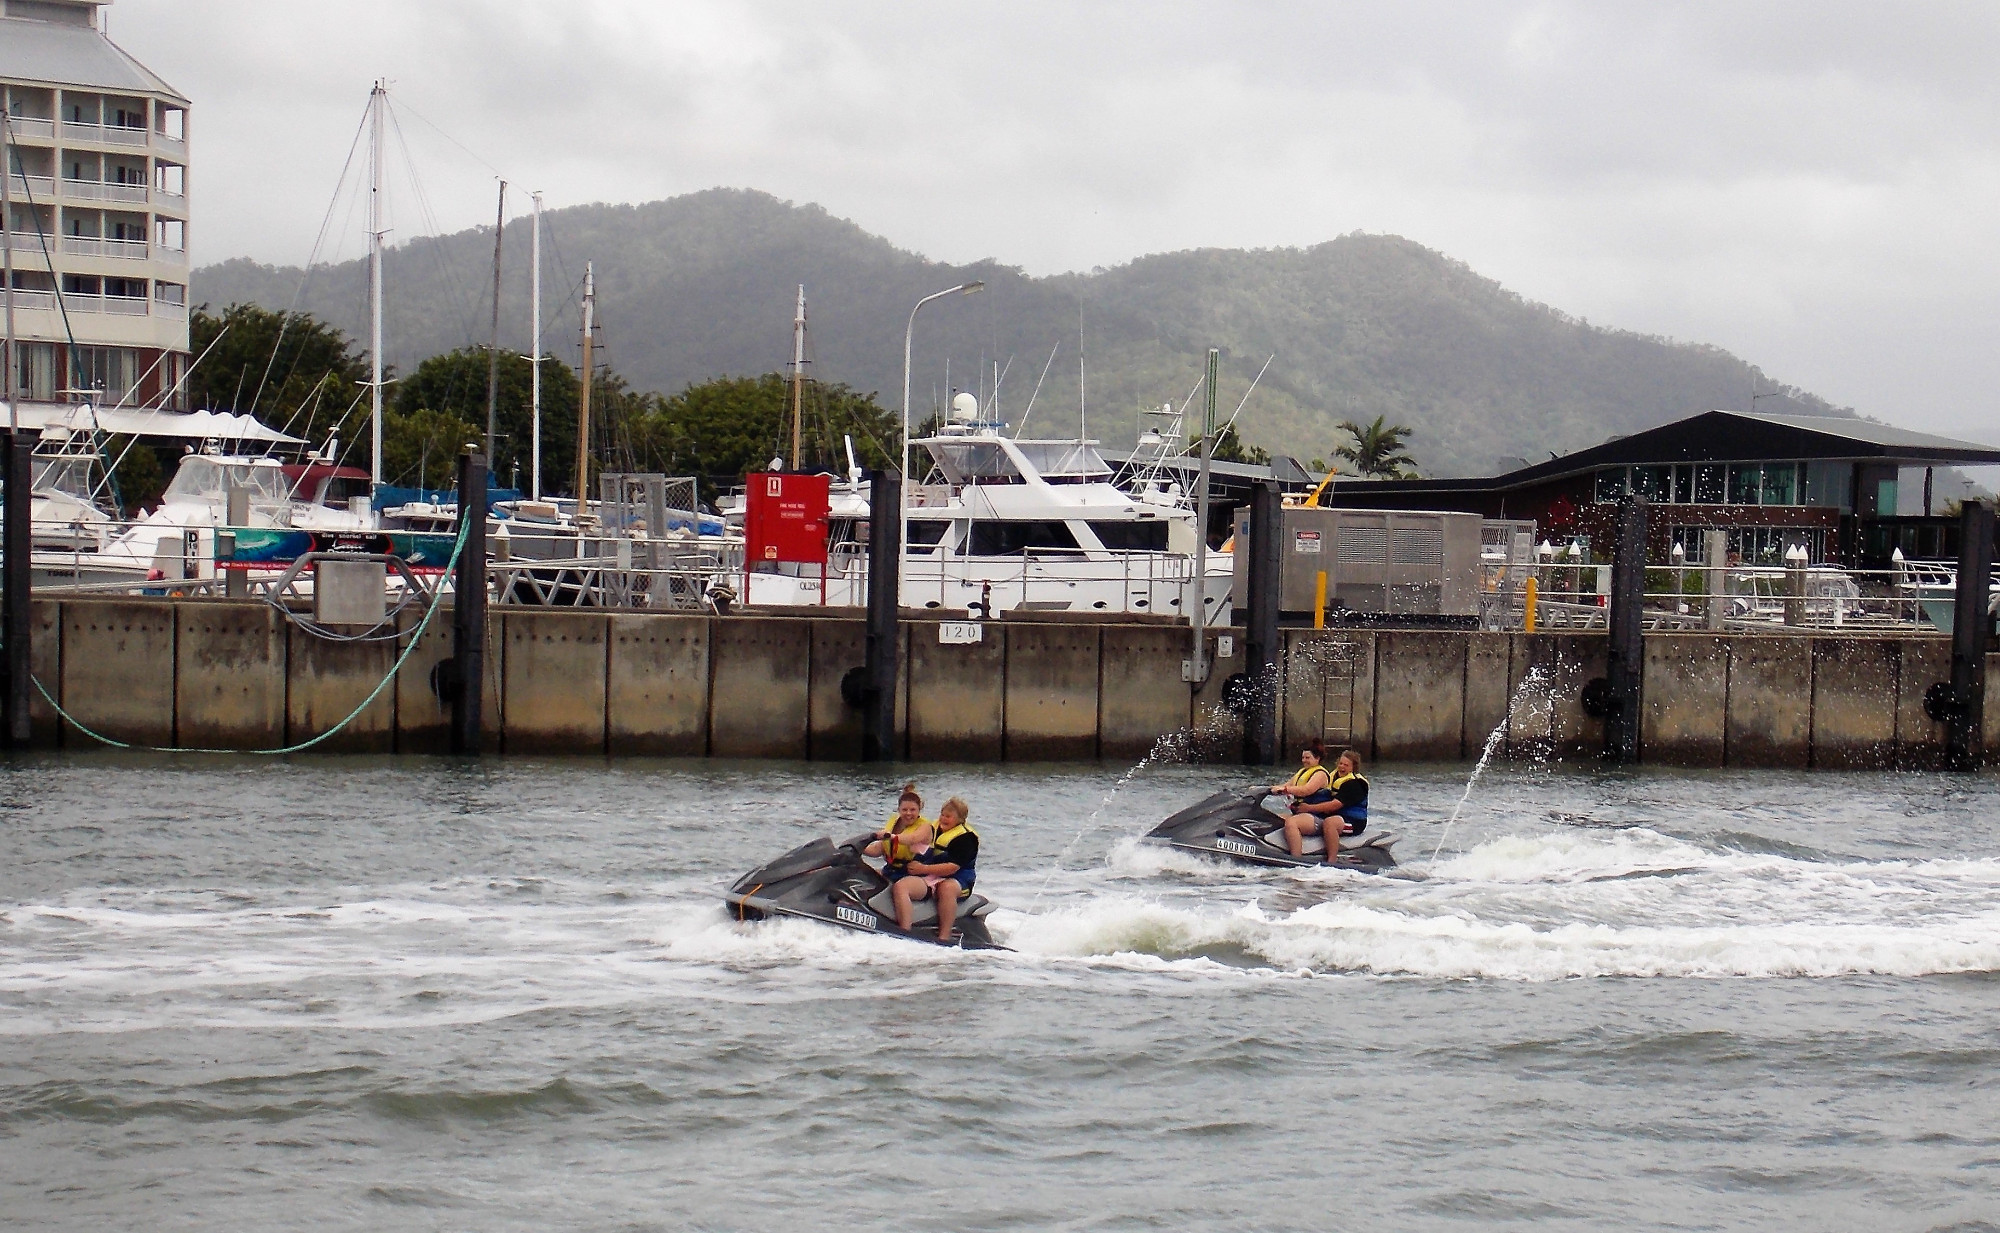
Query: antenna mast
{"points": [[1082, 432], [583, 402], [798, 371], [376, 98], [535, 352]]}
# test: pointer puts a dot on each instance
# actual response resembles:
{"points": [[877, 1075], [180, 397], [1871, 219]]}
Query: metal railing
{"points": [[1741, 598], [105, 134], [95, 246]]}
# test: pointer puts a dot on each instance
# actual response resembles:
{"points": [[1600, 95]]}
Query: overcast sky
{"points": [[1810, 185]]}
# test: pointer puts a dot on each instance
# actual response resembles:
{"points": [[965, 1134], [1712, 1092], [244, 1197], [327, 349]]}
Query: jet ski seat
{"points": [[1314, 845], [925, 913]]}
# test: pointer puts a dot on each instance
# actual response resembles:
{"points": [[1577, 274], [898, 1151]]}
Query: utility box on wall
{"points": [[1377, 562], [784, 519]]}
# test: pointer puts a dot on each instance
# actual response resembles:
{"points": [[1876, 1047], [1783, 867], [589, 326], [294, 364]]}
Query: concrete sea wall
{"points": [[227, 674]]}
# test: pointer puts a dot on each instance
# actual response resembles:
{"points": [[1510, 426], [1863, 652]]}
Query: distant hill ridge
{"points": [[703, 286]]}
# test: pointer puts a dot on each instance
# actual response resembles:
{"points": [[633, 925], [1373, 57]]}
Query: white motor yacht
{"points": [[1013, 524]]}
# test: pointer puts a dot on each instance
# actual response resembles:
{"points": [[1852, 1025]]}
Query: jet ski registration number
{"points": [[854, 916], [1236, 847]]}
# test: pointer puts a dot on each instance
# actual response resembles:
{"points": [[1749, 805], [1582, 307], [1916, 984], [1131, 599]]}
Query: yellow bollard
{"points": [[1319, 600], [1528, 612]]}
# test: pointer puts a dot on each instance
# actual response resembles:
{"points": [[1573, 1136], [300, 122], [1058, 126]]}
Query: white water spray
{"points": [[1532, 681], [1164, 745]]}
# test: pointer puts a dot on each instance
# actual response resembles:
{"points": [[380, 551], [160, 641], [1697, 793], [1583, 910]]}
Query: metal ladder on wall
{"points": [[1338, 662]]}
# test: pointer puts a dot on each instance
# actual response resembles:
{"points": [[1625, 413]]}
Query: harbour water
{"points": [[415, 994]]}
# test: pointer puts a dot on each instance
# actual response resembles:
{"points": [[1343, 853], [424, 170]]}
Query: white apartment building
{"points": [[100, 209]]}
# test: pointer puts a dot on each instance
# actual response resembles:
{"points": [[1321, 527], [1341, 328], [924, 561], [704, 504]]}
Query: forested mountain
{"points": [[703, 286]]}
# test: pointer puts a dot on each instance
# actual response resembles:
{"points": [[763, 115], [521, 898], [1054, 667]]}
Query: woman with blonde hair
{"points": [[945, 870]]}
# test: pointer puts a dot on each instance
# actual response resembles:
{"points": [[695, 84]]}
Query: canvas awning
{"points": [[146, 422]]}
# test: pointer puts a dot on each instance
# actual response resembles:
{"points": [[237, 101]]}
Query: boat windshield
{"points": [[205, 479], [968, 461], [67, 475]]}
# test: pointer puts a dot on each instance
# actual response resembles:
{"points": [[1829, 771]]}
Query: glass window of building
{"points": [[1830, 484], [1746, 480], [1692, 541], [1611, 484], [1653, 483], [1709, 485], [112, 371], [37, 376], [1781, 483]]}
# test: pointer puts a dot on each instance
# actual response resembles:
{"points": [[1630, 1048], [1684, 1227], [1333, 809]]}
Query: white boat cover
{"points": [[147, 422]]}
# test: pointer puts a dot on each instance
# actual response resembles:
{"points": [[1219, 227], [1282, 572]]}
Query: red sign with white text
{"points": [[784, 518]]}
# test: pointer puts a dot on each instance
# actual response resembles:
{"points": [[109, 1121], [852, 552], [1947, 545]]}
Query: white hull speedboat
{"points": [[175, 542]]}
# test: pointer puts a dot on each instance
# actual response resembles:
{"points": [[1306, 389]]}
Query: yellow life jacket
{"points": [[895, 851], [1304, 777], [944, 840], [1353, 811]]}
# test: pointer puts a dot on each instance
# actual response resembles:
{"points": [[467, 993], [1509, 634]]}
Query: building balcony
{"points": [[40, 187], [27, 242], [29, 129], [92, 246], [29, 301], [103, 190], [104, 134], [175, 147], [115, 305]]}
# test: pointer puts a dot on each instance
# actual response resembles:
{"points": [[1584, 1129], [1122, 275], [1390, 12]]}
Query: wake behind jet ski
{"points": [[830, 882], [1235, 825]]}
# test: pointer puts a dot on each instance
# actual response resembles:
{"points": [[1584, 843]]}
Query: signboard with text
{"points": [[784, 519]]}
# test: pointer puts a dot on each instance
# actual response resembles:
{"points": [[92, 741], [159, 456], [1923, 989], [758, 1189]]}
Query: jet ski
{"points": [[1234, 824], [830, 882]]}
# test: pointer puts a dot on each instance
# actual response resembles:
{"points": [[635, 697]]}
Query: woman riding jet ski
{"points": [[832, 883], [1241, 825]]}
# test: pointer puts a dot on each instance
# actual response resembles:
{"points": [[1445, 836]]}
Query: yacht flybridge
{"points": [[1015, 524]]}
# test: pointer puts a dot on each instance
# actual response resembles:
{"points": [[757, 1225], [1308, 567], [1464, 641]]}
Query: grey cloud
{"points": [[1805, 184]]}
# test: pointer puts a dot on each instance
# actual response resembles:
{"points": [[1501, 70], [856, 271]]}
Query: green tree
{"points": [[136, 472], [722, 428], [1378, 451], [1230, 448], [453, 386], [420, 449], [290, 370]]}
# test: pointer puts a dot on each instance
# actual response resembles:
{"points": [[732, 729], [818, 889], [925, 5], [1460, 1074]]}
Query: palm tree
{"points": [[1378, 451]]}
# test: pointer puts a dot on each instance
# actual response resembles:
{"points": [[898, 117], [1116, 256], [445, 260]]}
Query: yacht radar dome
{"points": [[965, 408]]}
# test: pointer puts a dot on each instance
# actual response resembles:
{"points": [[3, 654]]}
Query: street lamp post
{"points": [[909, 334]]}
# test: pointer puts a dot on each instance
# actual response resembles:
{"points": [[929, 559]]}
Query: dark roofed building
{"points": [[1849, 490]]}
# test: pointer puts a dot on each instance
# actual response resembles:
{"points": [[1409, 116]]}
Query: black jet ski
{"points": [[1234, 824], [827, 882]]}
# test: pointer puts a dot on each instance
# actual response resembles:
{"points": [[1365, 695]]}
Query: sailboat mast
{"points": [[535, 352], [493, 339], [583, 401], [376, 98], [798, 371]]}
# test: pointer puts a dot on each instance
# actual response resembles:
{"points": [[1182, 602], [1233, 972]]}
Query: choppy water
{"points": [[420, 995]]}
